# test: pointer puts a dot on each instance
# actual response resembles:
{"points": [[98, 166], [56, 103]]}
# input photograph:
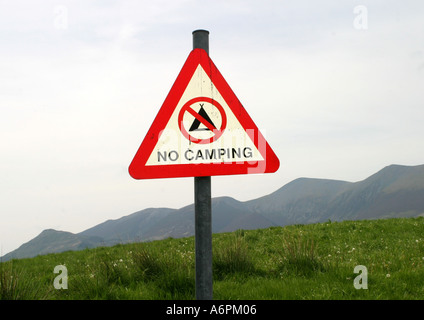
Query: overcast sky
{"points": [[336, 87]]}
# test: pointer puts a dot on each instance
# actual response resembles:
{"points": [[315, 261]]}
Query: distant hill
{"points": [[52, 241], [395, 191], [302, 201]]}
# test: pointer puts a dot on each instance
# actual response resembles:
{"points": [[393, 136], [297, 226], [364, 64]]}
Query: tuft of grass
{"points": [[15, 285], [8, 284], [148, 263], [298, 256], [171, 273], [232, 257]]}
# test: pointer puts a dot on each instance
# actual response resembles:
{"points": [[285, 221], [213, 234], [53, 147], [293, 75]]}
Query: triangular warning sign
{"points": [[202, 130]]}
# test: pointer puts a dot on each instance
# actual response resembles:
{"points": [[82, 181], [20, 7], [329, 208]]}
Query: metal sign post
{"points": [[203, 211]]}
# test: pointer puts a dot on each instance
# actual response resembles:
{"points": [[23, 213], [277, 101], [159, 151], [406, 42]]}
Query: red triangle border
{"points": [[138, 168]]}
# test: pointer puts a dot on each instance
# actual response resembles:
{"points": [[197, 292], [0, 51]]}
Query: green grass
{"points": [[314, 261]]}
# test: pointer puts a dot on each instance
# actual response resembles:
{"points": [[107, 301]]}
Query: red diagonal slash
{"points": [[201, 119]]}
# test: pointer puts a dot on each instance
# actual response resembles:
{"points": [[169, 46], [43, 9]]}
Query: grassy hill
{"points": [[314, 261]]}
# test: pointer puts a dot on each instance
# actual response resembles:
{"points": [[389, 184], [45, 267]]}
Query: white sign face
{"points": [[203, 129]]}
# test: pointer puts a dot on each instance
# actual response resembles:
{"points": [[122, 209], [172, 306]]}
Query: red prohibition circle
{"points": [[187, 108]]}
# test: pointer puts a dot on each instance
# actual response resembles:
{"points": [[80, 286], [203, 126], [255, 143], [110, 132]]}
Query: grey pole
{"points": [[203, 211], [201, 39]]}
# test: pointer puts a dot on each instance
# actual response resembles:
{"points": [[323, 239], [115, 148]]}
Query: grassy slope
{"points": [[314, 261]]}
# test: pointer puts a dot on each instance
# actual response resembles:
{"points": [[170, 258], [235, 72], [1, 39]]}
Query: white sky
{"points": [[337, 92]]}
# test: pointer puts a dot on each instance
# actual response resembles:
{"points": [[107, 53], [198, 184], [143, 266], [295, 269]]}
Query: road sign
{"points": [[202, 130]]}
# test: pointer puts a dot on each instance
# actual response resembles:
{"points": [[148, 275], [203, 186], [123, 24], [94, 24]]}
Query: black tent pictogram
{"points": [[196, 123]]}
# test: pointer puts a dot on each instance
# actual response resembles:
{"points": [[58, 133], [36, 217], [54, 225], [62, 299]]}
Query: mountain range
{"points": [[394, 191]]}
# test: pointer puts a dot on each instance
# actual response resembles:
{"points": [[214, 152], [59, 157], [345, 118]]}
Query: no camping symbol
{"points": [[202, 120]]}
